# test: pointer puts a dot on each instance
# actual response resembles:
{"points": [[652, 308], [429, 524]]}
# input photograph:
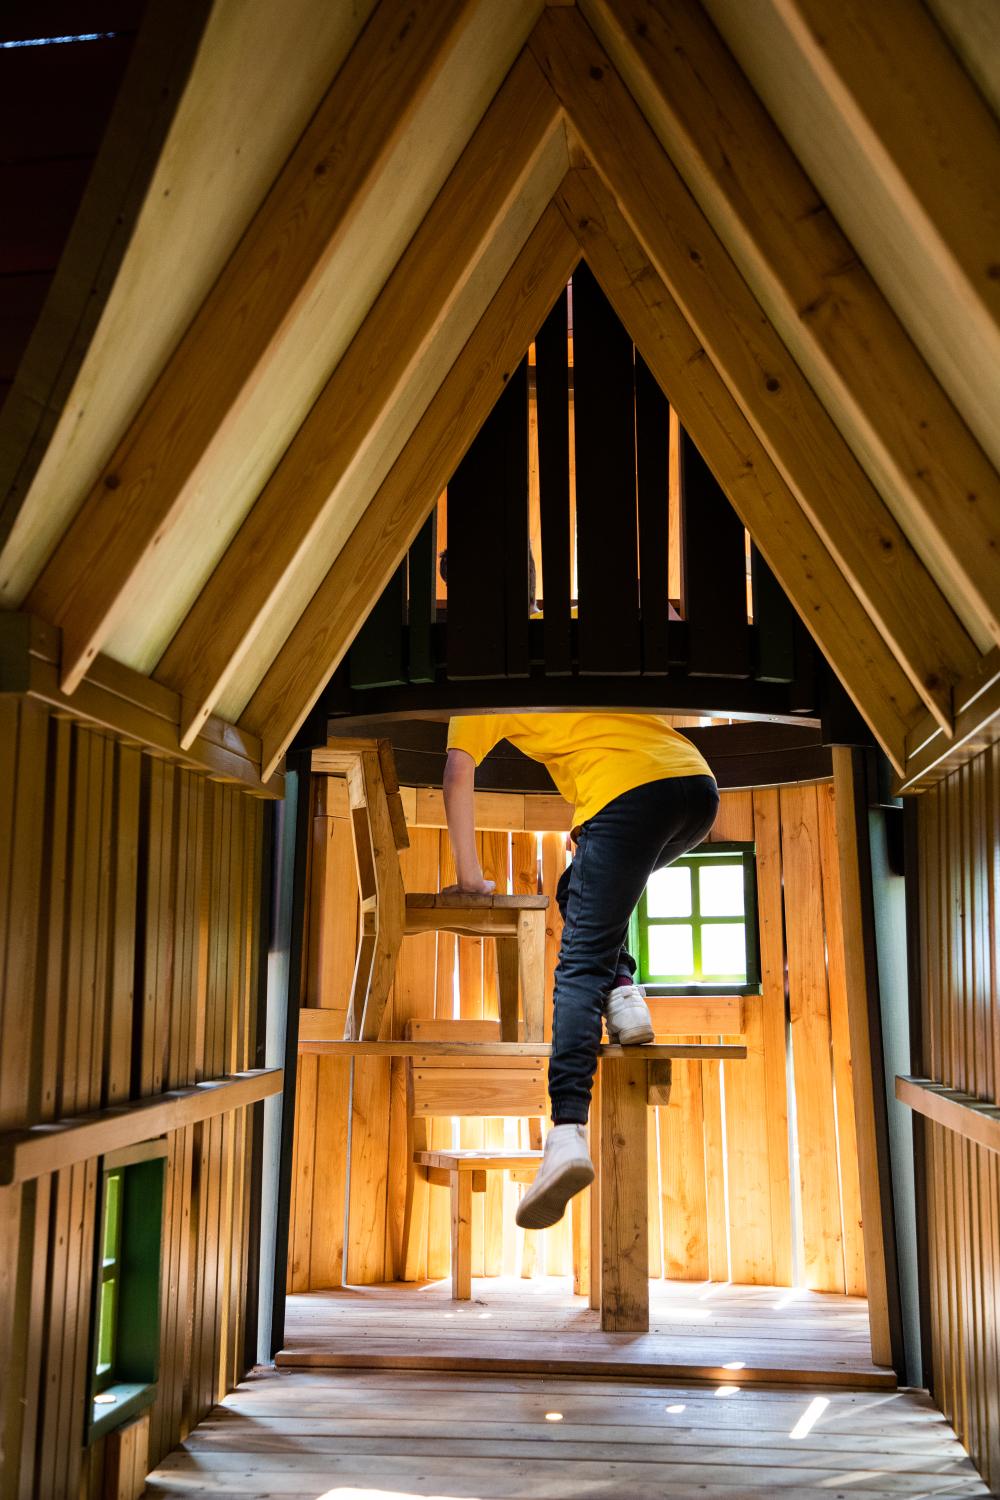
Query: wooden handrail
{"points": [[724, 1052], [976, 1119], [48, 1147]]}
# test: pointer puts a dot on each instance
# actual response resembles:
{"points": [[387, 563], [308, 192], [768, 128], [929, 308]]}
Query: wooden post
{"points": [[624, 1209], [596, 1278], [856, 974], [531, 967], [461, 1236]]}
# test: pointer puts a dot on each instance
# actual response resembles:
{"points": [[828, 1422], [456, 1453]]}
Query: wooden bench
{"points": [[388, 913], [467, 1087]]}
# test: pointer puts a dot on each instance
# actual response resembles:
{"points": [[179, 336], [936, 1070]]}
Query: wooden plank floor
{"points": [[397, 1435], [698, 1331]]}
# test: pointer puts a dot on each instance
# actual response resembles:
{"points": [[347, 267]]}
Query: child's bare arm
{"points": [[459, 808]]}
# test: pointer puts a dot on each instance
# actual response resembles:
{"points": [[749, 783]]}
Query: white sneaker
{"points": [[566, 1169], [627, 1015]]}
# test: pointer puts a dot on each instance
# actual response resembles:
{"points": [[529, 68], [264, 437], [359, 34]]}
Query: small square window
{"points": [[695, 927]]}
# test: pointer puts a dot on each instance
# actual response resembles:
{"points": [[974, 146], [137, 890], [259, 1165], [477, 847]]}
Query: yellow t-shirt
{"points": [[592, 758]]}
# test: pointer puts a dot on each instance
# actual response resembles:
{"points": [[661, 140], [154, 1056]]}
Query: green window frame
{"points": [[125, 1315], [695, 981]]}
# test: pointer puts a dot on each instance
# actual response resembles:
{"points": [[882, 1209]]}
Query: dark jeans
{"points": [[617, 851]]}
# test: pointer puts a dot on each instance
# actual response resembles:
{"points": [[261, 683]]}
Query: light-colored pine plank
{"points": [[325, 630], [810, 1027], [825, 303], [840, 1034], [400, 353]]}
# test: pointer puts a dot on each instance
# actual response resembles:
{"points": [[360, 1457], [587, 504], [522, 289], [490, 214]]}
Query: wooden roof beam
{"points": [[93, 576], [318, 492], [902, 599], [920, 127], [912, 442], [741, 463], [406, 497]]}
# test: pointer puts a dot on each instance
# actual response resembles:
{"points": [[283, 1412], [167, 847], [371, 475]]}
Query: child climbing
{"points": [[643, 795]]}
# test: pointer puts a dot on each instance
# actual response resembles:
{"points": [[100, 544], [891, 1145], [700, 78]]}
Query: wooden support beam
{"points": [[657, 1051], [624, 1191], [316, 495], [975, 1119], [856, 979], [930, 755], [134, 708], [795, 553], [828, 483], [912, 123], [93, 575], [822, 300], [25, 1154], [324, 632]]}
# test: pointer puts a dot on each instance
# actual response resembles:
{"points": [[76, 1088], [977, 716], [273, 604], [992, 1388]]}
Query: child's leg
{"points": [[616, 853]]}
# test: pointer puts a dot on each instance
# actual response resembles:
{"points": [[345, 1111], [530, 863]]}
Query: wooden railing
{"points": [[25, 1154], [976, 1119]]}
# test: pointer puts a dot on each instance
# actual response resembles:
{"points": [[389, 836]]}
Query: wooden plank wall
{"points": [[731, 1199], [129, 893], [959, 881]]}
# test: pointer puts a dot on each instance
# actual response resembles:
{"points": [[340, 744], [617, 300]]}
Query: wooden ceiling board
{"points": [[259, 74], [973, 29], [260, 348], [911, 441], [244, 455], [375, 398], [898, 594], [905, 152]]}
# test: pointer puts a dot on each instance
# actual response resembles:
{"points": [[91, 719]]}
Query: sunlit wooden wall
{"points": [[128, 921], [959, 876], [737, 1190]]}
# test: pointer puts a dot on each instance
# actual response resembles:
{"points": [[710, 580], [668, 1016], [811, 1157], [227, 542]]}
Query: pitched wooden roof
{"points": [[355, 220]]}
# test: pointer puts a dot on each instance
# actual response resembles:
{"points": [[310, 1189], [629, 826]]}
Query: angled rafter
{"points": [[92, 577], [315, 497], [789, 542], [898, 594], [380, 540], [823, 302]]}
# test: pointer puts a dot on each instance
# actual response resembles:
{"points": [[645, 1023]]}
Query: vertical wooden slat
{"points": [[774, 625], [377, 657], [652, 457], [810, 1025], [767, 837], [714, 573], [518, 594], [840, 1035], [552, 377], [683, 1177], [495, 859], [604, 416], [421, 601], [861, 1060]]}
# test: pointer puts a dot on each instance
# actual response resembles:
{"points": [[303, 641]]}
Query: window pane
{"points": [[106, 1326], [671, 950], [721, 890], [723, 950], [668, 893], [112, 1211]]}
